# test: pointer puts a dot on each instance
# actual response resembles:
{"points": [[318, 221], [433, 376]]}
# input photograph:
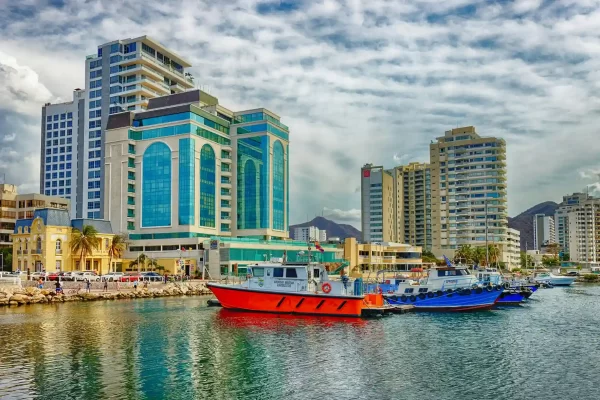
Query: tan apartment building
{"points": [[15, 206], [468, 182], [584, 232], [372, 257]]}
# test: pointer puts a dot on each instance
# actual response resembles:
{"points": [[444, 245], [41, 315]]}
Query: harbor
{"points": [[180, 348]]}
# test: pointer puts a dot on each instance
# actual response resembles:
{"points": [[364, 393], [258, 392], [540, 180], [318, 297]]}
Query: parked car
{"points": [[87, 275], [37, 275], [112, 276], [151, 277], [53, 276], [132, 277], [67, 276], [573, 273]]}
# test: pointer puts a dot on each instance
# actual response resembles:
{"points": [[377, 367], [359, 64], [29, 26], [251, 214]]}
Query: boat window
{"points": [[451, 273], [409, 290], [316, 273], [291, 273], [268, 271], [441, 273], [277, 272], [422, 290], [461, 272], [258, 272]]}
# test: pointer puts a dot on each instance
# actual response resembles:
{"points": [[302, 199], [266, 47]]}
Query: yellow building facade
{"points": [[43, 243], [372, 257]]}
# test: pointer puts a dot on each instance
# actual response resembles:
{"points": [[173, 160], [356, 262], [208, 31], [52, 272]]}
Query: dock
{"points": [[384, 311]]}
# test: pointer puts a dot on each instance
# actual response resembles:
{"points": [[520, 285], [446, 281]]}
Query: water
{"points": [[177, 348]]}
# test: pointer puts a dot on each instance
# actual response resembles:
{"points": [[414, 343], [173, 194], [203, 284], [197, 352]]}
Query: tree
{"points": [[464, 254], [549, 261], [428, 257], [84, 242], [142, 259], [6, 259], [116, 248], [493, 253], [526, 260], [553, 249], [479, 255], [565, 257]]}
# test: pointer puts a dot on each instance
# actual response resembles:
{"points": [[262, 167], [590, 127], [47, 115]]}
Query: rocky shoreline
{"points": [[17, 296]]}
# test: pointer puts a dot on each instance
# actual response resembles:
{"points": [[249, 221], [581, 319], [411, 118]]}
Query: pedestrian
{"points": [[106, 285], [58, 288], [118, 285], [145, 284], [28, 274], [135, 285], [166, 278], [88, 285], [40, 283]]}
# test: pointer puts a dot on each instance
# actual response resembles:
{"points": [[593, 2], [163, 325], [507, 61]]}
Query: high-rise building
{"points": [[584, 232], [123, 75], [512, 258], [561, 218], [309, 233], [15, 206], [188, 168], [396, 204], [62, 133], [413, 204], [379, 220], [543, 231], [468, 182]]}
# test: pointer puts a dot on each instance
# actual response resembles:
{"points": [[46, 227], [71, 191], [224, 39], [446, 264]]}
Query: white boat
{"points": [[555, 280], [438, 278]]}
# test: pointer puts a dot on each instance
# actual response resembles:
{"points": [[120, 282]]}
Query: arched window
{"points": [[106, 244], [207, 186], [38, 245], [156, 186], [278, 186]]}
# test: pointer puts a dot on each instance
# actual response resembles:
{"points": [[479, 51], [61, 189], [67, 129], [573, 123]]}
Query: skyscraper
{"points": [[543, 231], [123, 75], [188, 168], [584, 232], [379, 222], [468, 179], [561, 218], [62, 133]]}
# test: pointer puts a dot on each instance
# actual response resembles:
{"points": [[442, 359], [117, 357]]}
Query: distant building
{"points": [[584, 232], [468, 180], [15, 206], [513, 249], [309, 233], [365, 257], [561, 219], [396, 204], [543, 231]]}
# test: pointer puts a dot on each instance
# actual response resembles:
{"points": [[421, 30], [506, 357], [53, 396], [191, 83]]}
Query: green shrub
{"points": [[591, 278]]}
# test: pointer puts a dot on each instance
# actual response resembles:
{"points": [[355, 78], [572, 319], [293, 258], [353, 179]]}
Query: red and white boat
{"points": [[294, 289]]}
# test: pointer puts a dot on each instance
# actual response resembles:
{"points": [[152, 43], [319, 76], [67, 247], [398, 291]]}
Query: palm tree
{"points": [[479, 255], [493, 253], [142, 259], [464, 253], [84, 242], [116, 248]]}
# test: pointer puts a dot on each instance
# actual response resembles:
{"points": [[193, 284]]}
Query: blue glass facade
{"points": [[187, 187], [278, 187], [208, 169], [156, 186], [287, 187], [181, 117], [263, 128], [253, 183], [181, 129]]}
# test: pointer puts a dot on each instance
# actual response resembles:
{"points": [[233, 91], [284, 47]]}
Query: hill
{"points": [[524, 221], [333, 229]]}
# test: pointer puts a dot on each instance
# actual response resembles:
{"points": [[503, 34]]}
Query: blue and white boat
{"points": [[450, 300]]}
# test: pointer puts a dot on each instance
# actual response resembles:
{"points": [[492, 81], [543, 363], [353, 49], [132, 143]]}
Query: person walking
{"points": [[40, 283], [58, 288], [88, 285], [105, 285], [135, 283]]}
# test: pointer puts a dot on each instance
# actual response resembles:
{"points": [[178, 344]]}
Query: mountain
{"points": [[333, 229], [524, 221]]}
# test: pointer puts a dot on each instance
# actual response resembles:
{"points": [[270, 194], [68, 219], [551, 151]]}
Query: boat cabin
{"points": [[293, 278], [489, 276]]}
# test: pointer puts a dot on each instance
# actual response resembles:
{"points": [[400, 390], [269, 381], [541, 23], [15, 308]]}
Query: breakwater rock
{"points": [[16, 296]]}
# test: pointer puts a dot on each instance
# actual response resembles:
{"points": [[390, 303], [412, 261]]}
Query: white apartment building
{"points": [[543, 231], [584, 232], [468, 182], [62, 133], [310, 233], [561, 220], [121, 76], [512, 256]]}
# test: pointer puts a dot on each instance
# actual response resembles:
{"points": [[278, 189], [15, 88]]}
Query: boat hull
{"points": [[509, 298], [301, 303], [557, 280], [465, 300]]}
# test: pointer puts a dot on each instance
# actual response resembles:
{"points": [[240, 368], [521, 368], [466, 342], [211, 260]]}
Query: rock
{"points": [[89, 296], [13, 303], [19, 298], [45, 292], [4, 301], [38, 298]]}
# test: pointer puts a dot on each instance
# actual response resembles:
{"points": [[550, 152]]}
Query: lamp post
{"points": [[487, 250]]}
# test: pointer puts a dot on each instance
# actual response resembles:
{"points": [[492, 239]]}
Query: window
{"points": [[156, 185], [277, 272], [58, 246], [207, 186], [291, 273], [258, 272], [186, 180]]}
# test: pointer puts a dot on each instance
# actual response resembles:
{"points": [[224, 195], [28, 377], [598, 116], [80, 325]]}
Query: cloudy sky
{"points": [[356, 81]]}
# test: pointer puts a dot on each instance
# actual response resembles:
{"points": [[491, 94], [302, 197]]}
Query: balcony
{"points": [[36, 251], [179, 74]]}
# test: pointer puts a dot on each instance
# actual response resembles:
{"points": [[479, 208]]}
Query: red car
{"points": [[130, 278]]}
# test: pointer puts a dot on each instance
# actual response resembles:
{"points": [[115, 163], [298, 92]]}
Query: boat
{"points": [[304, 289], [465, 299], [449, 288], [554, 280]]}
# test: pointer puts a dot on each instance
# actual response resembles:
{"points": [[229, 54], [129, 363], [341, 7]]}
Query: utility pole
{"points": [[487, 255]]}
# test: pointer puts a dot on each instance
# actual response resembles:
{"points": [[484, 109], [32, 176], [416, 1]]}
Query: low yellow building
{"points": [[369, 257], [43, 243]]}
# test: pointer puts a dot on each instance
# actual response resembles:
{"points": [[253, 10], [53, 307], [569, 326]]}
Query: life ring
{"points": [[506, 285], [380, 290], [326, 287]]}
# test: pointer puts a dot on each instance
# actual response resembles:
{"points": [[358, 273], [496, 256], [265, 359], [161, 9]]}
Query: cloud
{"points": [[10, 137], [357, 82], [352, 216]]}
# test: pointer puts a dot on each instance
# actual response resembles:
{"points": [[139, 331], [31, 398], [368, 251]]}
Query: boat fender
{"points": [[506, 285], [413, 298], [449, 291], [468, 292], [422, 296], [498, 287], [475, 286], [480, 290], [430, 295], [395, 298], [326, 287], [439, 293], [403, 298]]}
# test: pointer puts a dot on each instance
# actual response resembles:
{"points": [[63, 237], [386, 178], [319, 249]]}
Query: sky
{"points": [[356, 81]]}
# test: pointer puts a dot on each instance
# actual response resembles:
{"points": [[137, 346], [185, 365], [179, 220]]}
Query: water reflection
{"points": [[180, 349]]}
